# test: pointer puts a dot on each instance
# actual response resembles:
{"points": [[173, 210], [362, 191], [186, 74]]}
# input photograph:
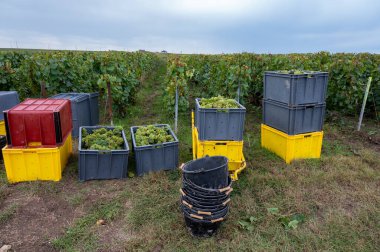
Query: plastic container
{"points": [[155, 157], [80, 110], [233, 150], [28, 164], [292, 89], [96, 164], [3, 143], [3, 132], [205, 191], [8, 99], [38, 122], [94, 106], [220, 124], [293, 147], [209, 172], [294, 120], [201, 228]]}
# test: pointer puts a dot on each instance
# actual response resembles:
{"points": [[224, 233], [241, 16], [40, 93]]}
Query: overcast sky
{"points": [[193, 26]]}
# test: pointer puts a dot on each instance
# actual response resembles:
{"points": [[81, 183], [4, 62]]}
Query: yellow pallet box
{"points": [[28, 164], [233, 150], [291, 147], [2, 128]]}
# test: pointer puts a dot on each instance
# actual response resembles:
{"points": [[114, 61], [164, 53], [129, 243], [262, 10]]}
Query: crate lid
{"points": [[40, 105]]}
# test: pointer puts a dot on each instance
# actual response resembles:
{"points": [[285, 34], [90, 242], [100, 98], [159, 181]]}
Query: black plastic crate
{"points": [[155, 157], [96, 164]]}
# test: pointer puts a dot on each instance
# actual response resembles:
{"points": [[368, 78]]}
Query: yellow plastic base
{"points": [[233, 150], [28, 164], [288, 147], [2, 128]]}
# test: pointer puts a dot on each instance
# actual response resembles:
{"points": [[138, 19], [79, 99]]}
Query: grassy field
{"points": [[338, 197]]}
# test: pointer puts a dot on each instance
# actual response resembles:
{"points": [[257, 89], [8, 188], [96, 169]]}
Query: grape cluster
{"points": [[151, 134], [296, 72], [103, 139], [218, 102]]}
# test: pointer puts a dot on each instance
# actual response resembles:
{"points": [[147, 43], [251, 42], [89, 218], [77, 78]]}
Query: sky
{"points": [[192, 26]]}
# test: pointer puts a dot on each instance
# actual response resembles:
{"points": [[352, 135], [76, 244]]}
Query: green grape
{"points": [[218, 102], [151, 134], [103, 139]]}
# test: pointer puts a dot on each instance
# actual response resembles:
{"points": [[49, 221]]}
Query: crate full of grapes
{"points": [[155, 148], [103, 153], [219, 118]]}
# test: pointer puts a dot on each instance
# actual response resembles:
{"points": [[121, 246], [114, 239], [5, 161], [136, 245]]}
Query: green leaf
{"points": [[273, 210]]}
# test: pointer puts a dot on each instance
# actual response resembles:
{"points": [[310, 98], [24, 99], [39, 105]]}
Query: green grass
{"points": [[7, 213], [339, 195]]}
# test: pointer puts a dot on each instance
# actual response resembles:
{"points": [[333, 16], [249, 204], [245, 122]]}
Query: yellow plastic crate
{"points": [[2, 128], [293, 147], [233, 150], [28, 164]]}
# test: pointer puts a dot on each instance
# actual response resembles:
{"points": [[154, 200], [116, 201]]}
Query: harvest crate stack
{"points": [[84, 109], [293, 113], [8, 99], [38, 139], [219, 132]]}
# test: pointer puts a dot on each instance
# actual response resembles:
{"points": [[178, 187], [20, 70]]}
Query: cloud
{"points": [[208, 26]]}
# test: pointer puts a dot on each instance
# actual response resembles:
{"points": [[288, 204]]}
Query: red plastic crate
{"points": [[38, 122]]}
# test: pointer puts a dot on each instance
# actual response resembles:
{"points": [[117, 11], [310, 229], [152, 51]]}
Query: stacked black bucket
{"points": [[206, 189]]}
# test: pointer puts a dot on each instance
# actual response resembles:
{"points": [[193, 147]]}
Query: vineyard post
{"points": [[176, 109], [109, 98], [43, 90], [364, 102]]}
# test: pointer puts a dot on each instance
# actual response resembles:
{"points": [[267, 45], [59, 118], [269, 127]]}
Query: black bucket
{"points": [[202, 228], [206, 215], [199, 207], [203, 203], [208, 172], [200, 196], [206, 191]]}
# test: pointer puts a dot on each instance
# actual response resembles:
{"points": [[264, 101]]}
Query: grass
{"points": [[339, 195]]}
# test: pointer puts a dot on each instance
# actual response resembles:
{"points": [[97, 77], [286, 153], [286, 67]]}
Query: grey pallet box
{"points": [[8, 99], [220, 124], [294, 120], [94, 106], [155, 157], [293, 90], [84, 108], [95, 164]]}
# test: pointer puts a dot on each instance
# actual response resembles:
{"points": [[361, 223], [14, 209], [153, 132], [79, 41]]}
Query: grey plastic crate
{"points": [[8, 99], [220, 124], [94, 106], [294, 120], [95, 164], [80, 110], [291, 89], [155, 157]]}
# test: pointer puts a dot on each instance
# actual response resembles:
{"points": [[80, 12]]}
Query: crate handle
{"points": [[196, 216], [229, 191], [204, 213], [225, 202], [181, 167], [221, 144], [217, 220], [225, 189], [305, 136], [181, 191], [187, 204]]}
